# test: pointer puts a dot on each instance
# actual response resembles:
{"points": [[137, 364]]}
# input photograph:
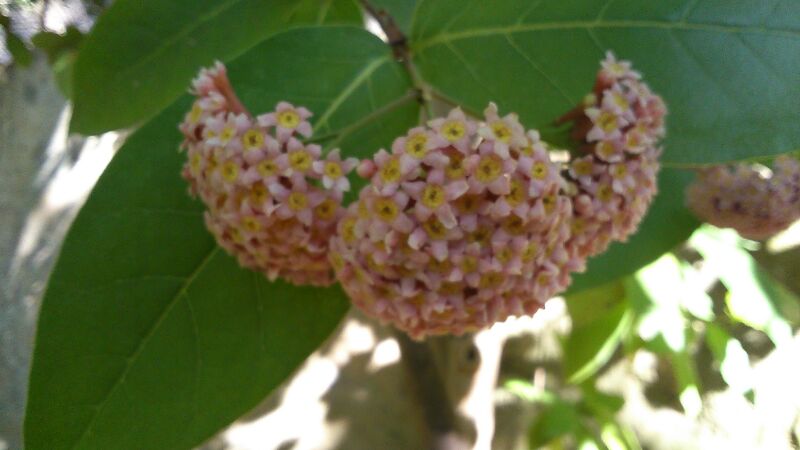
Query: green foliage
{"points": [[156, 337], [141, 54], [16, 47], [600, 319]]}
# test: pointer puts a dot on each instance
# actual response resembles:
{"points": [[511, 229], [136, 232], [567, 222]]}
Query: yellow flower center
{"points": [[469, 264], [619, 171], [251, 224], [236, 236], [454, 169], [481, 235], [578, 225], [514, 225], [583, 167], [439, 266], [259, 194], [230, 171], [349, 230], [620, 100], [300, 160], [516, 194], [530, 251], [288, 119], [267, 168], [386, 209], [326, 210], [539, 170], [333, 170], [504, 255], [415, 145], [195, 162], [549, 202], [433, 196], [194, 115], [227, 133], [336, 261], [252, 140], [435, 229], [363, 211], [298, 201], [605, 193], [606, 149], [616, 69], [543, 279], [501, 131], [527, 151], [390, 172], [491, 279], [468, 204], [607, 121], [453, 130], [489, 168]]}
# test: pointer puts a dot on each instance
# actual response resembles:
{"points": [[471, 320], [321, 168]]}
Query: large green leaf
{"points": [[727, 69], [150, 336], [141, 54]]}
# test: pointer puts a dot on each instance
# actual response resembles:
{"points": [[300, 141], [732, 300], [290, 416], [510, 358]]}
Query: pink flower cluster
{"points": [[753, 200], [273, 201], [619, 126], [462, 225]]}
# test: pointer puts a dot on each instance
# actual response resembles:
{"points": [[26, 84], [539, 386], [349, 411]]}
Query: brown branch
{"points": [[430, 392]]}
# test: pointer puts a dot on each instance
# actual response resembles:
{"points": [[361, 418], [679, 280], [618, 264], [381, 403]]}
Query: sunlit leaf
{"points": [[656, 291], [734, 364], [748, 300], [559, 419]]}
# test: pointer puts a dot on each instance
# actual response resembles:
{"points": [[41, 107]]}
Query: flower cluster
{"points": [[753, 200], [273, 201], [613, 183], [462, 225]]}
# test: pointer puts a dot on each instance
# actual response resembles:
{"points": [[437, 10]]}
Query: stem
{"points": [[430, 391], [399, 43]]}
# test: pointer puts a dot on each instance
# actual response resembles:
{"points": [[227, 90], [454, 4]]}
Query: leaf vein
{"points": [[360, 78], [148, 335]]}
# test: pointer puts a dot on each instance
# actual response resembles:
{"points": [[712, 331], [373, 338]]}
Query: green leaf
{"points": [[590, 346], [526, 391], [749, 300], [54, 44], [688, 382], [559, 419], [734, 364], [19, 51], [540, 58], [149, 335], [656, 292], [141, 54]]}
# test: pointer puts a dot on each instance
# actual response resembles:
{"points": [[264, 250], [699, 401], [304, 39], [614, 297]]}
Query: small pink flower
{"points": [[455, 129], [334, 171], [288, 120]]}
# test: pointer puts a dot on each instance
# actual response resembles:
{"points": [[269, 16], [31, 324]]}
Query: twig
{"points": [[430, 391], [397, 40]]}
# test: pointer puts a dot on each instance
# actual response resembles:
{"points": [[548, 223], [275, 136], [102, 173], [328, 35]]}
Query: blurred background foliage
{"points": [[708, 311]]}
